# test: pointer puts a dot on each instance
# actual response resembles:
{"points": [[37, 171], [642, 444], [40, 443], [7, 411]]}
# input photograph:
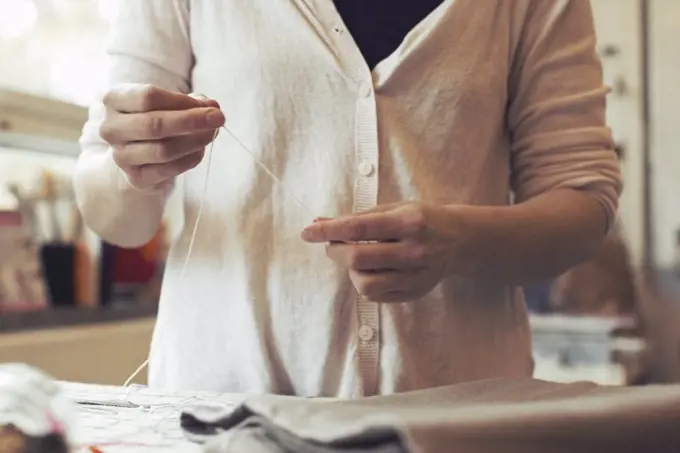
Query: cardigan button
{"points": [[365, 89], [366, 333], [365, 168]]}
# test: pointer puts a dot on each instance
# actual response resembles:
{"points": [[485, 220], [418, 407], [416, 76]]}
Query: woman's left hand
{"points": [[394, 253]]}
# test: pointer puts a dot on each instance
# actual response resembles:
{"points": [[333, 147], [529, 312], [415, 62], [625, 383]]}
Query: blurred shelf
{"points": [[52, 146], [74, 316], [32, 115], [572, 348], [603, 374], [669, 283], [585, 325]]}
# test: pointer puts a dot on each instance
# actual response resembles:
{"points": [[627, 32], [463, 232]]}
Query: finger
{"points": [[148, 176], [206, 101], [382, 208], [323, 219], [378, 256], [122, 128], [160, 151], [377, 226], [375, 286], [392, 297], [141, 98], [379, 208]]}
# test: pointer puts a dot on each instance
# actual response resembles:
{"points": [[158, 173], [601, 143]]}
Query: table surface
{"points": [[150, 424], [141, 420]]}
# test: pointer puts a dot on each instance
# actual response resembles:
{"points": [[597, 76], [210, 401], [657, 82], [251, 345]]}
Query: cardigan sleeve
{"points": [[556, 113], [149, 43]]}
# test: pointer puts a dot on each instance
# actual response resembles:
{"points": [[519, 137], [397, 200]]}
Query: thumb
{"points": [[373, 210], [380, 208]]}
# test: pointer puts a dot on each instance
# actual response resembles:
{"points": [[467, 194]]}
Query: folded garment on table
{"points": [[35, 417], [490, 416]]}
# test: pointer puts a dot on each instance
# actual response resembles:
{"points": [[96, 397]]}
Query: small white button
{"points": [[365, 168], [365, 89], [366, 333]]}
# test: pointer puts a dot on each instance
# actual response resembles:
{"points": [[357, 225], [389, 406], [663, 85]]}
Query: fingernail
{"points": [[211, 103], [215, 118], [205, 100], [306, 235]]}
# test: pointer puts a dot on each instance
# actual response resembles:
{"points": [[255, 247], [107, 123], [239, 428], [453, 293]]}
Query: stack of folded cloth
{"points": [[491, 416]]}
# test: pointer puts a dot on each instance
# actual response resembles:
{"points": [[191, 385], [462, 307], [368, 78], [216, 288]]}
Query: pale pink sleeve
{"points": [[557, 107], [149, 43]]}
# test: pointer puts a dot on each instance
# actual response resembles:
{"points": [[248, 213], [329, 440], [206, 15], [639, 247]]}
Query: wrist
{"points": [[479, 234], [528, 242]]}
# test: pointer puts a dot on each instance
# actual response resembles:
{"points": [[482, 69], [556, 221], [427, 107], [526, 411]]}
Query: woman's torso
{"points": [[258, 310]]}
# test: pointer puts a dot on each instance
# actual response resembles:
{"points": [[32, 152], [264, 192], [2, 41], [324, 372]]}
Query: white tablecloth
{"points": [[151, 426]]}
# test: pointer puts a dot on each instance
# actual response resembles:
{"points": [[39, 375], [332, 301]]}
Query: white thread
{"points": [[139, 369], [192, 239], [272, 175], [194, 231]]}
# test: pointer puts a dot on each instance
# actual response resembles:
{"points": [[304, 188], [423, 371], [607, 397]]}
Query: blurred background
{"points": [[83, 310]]}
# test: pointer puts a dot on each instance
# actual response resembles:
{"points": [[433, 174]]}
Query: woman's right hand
{"points": [[157, 134]]}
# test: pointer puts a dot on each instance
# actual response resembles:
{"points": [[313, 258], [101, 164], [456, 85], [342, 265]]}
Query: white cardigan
{"points": [[482, 99]]}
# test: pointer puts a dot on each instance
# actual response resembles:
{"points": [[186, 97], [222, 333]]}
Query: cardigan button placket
{"points": [[365, 182]]}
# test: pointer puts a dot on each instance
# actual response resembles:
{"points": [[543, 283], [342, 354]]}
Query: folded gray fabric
{"points": [[491, 416], [260, 436]]}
